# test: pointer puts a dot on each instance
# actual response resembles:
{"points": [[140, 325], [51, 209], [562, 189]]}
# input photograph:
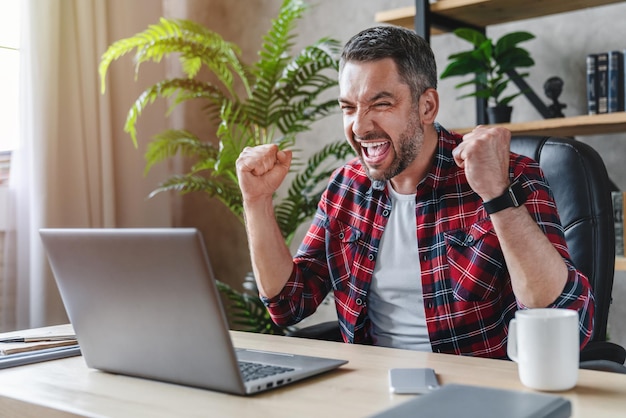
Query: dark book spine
{"points": [[623, 80], [602, 72], [592, 84], [618, 219], [615, 94]]}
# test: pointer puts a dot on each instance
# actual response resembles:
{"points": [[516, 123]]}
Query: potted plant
{"points": [[281, 96], [493, 65]]}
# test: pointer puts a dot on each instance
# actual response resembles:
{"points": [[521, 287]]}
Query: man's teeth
{"points": [[372, 144]]}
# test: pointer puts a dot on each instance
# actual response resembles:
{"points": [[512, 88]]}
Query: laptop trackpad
{"points": [[270, 357]]}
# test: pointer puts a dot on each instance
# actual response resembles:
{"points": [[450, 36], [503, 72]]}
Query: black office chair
{"points": [[582, 190]]}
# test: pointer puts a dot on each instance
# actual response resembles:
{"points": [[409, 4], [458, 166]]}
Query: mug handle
{"points": [[511, 345]]}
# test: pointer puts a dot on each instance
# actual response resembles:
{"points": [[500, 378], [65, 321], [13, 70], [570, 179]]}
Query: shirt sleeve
{"points": [[577, 293], [309, 282]]}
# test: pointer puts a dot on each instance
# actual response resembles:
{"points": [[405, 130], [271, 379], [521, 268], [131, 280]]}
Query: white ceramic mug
{"points": [[545, 345]]}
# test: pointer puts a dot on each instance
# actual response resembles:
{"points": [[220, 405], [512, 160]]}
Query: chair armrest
{"points": [[327, 331], [603, 366], [603, 350]]}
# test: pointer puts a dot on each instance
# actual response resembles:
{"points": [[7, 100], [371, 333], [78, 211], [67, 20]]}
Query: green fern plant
{"points": [[281, 96], [247, 312]]}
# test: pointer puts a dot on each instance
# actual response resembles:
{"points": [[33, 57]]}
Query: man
{"points": [[418, 237]]}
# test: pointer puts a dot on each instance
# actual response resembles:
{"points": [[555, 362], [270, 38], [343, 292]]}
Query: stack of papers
{"points": [[14, 345], [35, 345]]}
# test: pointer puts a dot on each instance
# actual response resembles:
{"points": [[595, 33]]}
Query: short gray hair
{"points": [[411, 53]]}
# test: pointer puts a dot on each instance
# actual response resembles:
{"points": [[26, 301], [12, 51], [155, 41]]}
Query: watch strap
{"points": [[513, 196]]}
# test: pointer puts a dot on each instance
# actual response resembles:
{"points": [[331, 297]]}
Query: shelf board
{"points": [[400, 17], [584, 125], [483, 13], [620, 263]]}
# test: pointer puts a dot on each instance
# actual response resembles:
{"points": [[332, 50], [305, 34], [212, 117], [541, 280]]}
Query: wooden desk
{"points": [[66, 388]]}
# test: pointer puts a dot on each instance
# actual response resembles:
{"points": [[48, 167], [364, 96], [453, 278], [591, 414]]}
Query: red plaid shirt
{"points": [[468, 298]]}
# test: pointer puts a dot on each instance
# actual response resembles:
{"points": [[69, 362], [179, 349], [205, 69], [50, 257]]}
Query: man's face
{"points": [[380, 119]]}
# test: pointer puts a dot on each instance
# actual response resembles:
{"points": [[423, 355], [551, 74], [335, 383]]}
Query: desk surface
{"points": [[66, 388]]}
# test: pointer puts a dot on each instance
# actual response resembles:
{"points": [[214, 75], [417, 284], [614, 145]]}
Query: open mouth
{"points": [[376, 151]]}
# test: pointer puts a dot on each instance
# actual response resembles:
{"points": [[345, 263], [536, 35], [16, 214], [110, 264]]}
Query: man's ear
{"points": [[429, 106]]}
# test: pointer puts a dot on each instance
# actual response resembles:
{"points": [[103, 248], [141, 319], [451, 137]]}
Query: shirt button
{"points": [[341, 235], [470, 239], [429, 305], [424, 258], [359, 301], [370, 257], [386, 213]]}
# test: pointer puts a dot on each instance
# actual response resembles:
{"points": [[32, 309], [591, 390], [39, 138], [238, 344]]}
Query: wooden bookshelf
{"points": [[584, 125], [488, 12]]}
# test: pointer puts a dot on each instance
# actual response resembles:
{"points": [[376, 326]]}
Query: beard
{"points": [[406, 151]]}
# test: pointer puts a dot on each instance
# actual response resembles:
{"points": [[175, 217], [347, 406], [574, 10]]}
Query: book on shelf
{"points": [[606, 82], [615, 82], [602, 73], [618, 219], [592, 84]]}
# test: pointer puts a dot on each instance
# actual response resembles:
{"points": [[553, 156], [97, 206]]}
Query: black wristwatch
{"points": [[513, 197]]}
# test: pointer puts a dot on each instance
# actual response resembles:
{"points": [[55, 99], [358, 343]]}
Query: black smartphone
{"points": [[412, 380]]}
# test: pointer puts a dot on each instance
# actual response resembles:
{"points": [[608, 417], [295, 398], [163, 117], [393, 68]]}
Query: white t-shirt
{"points": [[395, 300]]}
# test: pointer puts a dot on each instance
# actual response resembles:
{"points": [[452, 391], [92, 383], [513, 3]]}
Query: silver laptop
{"points": [[143, 302]]}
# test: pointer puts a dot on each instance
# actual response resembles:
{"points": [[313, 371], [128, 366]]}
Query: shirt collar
{"points": [[443, 167]]}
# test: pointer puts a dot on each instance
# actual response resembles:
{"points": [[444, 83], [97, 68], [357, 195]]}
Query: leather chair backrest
{"points": [[582, 191]]}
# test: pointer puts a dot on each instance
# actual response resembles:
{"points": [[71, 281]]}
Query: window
{"points": [[9, 82]]}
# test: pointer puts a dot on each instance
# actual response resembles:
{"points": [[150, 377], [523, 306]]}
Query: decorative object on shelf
{"points": [[499, 114], [270, 101], [491, 63], [553, 87]]}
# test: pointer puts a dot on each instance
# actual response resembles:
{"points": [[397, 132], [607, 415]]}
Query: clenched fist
{"points": [[484, 154], [261, 170]]}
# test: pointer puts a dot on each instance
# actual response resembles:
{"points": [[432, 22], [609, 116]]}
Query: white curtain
{"points": [[62, 171], [65, 169]]}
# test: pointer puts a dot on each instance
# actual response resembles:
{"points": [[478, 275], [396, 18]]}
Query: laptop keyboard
{"points": [[252, 371]]}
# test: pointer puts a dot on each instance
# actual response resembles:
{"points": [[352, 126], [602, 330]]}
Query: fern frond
{"points": [[309, 63], [290, 101], [219, 187], [183, 88], [274, 57], [298, 116], [235, 132], [195, 43], [172, 142], [246, 312]]}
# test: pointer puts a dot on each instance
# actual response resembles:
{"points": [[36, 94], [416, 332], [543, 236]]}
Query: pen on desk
{"points": [[38, 339]]}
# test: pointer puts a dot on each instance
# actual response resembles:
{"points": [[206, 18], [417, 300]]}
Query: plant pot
{"points": [[499, 114]]}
